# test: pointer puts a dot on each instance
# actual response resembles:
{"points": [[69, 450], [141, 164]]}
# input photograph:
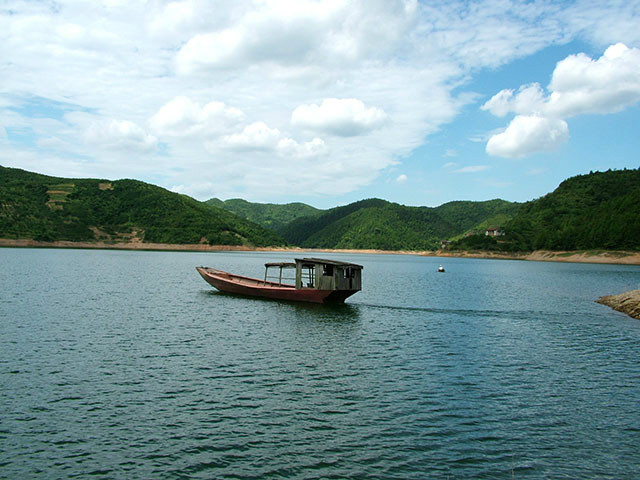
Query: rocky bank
{"points": [[627, 302]]}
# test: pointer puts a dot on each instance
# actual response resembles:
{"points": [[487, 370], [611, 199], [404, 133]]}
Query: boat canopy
{"points": [[328, 262], [280, 265], [322, 274], [318, 274]]}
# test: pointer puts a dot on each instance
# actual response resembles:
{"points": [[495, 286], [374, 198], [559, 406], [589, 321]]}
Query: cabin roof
{"points": [[328, 262], [280, 264]]}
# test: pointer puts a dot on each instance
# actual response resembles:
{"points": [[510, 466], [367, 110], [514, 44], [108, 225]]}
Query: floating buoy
{"points": [[441, 269]]}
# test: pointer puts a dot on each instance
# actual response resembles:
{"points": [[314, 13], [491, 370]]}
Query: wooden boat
{"points": [[316, 280]]}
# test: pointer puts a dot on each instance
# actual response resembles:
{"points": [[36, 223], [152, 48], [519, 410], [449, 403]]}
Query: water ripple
{"points": [[496, 370]]}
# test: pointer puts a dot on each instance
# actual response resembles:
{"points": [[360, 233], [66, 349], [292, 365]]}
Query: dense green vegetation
{"points": [[268, 215], [40, 207], [379, 224], [297, 231], [468, 216], [479, 241], [598, 210]]}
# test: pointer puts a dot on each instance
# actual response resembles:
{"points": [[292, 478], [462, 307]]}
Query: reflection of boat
{"points": [[441, 269], [316, 280]]}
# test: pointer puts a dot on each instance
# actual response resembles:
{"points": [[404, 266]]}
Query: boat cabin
{"points": [[318, 274]]}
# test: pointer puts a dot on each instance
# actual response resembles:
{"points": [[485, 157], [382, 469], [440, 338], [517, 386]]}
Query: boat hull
{"points": [[239, 285]]}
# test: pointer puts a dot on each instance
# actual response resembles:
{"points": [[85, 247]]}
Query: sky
{"points": [[322, 101]]}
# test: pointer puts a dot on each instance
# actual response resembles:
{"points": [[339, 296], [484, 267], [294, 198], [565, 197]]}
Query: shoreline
{"points": [[590, 256], [627, 302]]}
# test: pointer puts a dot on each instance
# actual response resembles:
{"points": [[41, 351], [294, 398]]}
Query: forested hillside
{"points": [[598, 210], [40, 207], [297, 231], [379, 224], [466, 216], [269, 215]]}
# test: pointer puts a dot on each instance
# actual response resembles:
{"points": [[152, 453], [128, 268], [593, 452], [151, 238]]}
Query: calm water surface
{"points": [[118, 364]]}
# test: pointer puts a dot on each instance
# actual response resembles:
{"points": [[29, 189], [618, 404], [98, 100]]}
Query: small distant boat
{"points": [[441, 269], [317, 280]]}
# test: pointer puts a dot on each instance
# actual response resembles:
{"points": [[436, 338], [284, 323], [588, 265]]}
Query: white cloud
{"points": [[610, 84], [257, 136], [346, 117], [500, 104], [579, 85], [174, 18], [183, 117], [529, 99], [472, 169], [120, 135], [228, 95], [528, 134], [313, 148], [402, 178], [290, 33]]}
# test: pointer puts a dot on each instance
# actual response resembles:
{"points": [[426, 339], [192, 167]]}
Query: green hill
{"points": [[40, 207], [596, 211], [467, 216], [378, 224], [269, 215], [299, 230], [600, 210]]}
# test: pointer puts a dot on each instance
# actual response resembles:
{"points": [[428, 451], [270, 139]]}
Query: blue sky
{"points": [[322, 101]]}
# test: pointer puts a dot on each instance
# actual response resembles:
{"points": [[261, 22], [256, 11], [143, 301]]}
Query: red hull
{"points": [[239, 285]]}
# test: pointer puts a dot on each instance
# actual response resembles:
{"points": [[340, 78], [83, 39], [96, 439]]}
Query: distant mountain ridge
{"points": [[40, 207], [269, 215], [600, 210], [378, 224], [375, 223]]}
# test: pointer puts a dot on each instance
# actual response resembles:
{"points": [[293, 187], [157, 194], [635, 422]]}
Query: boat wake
{"points": [[456, 311]]}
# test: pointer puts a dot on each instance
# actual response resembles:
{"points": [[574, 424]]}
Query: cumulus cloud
{"points": [[183, 117], [289, 33], [529, 99], [120, 135], [257, 136], [312, 148], [279, 32], [579, 85], [610, 84], [346, 117], [528, 134], [402, 178]]}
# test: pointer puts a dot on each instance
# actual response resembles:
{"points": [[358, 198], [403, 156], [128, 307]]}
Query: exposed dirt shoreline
{"points": [[599, 256], [627, 302]]}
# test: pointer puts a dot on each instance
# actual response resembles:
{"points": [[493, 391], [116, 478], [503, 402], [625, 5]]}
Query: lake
{"points": [[126, 364]]}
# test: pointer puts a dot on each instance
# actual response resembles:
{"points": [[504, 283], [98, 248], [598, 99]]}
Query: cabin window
{"points": [[349, 272], [308, 274], [327, 270]]}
